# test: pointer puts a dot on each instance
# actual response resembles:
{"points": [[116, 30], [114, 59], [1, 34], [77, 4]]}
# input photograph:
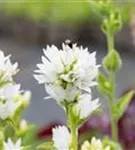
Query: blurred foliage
{"points": [[67, 11]]}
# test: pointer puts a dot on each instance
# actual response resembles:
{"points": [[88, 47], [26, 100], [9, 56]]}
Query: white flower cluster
{"points": [[62, 140], [95, 144], [7, 69], [9, 145], [10, 95], [68, 75]]}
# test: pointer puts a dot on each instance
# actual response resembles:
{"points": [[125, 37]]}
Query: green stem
{"points": [[110, 40], [71, 122], [114, 126], [114, 131], [74, 133]]}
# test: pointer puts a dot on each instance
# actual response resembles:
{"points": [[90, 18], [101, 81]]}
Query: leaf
{"points": [[104, 85], [123, 103], [47, 145]]}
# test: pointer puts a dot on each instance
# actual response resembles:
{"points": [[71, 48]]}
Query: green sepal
{"points": [[82, 121], [47, 146], [112, 62]]}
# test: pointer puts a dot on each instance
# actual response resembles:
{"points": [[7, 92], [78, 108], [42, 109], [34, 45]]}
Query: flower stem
{"points": [[110, 40], [114, 126], [71, 122], [74, 133]]}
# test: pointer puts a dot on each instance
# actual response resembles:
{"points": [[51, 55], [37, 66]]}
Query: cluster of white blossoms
{"points": [[9, 145], [62, 140], [68, 75], [11, 97], [95, 144], [7, 69]]}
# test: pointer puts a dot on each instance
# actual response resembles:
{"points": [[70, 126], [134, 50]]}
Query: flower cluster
{"points": [[7, 69], [9, 145], [95, 144], [68, 75], [62, 141], [12, 99]]}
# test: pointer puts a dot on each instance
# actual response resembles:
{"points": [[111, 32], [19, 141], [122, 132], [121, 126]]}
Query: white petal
{"points": [[61, 138]]}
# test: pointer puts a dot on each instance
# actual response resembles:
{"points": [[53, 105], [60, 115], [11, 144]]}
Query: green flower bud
{"points": [[112, 62], [112, 24], [116, 21]]}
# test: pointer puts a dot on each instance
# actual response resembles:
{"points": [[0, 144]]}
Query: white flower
{"points": [[8, 94], [9, 145], [51, 65], [61, 138], [7, 69], [95, 144], [85, 105], [63, 69], [85, 69], [59, 94]]}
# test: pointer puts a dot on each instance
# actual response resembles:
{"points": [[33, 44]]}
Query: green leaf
{"points": [[104, 85], [112, 62], [113, 145], [47, 145], [123, 103]]}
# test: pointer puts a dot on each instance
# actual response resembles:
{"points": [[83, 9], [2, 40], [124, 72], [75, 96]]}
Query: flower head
{"points": [[61, 138], [7, 69], [68, 69], [95, 144], [9, 145]]}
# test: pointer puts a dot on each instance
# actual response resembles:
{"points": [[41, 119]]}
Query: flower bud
{"points": [[112, 62], [23, 125]]}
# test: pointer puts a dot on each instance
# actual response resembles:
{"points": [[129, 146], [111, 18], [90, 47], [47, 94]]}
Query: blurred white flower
{"points": [[61, 138], [25, 98], [95, 144], [59, 94], [7, 69], [67, 68], [23, 125], [9, 145], [85, 105], [8, 95]]}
